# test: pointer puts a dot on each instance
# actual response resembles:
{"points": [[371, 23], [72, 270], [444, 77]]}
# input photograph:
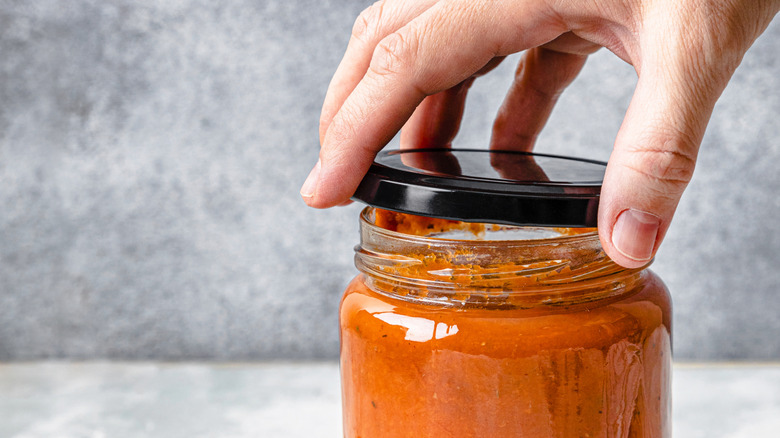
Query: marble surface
{"points": [[300, 400], [151, 154]]}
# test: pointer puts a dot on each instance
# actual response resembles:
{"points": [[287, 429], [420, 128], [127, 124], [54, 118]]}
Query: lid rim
{"points": [[405, 189], [571, 191]]}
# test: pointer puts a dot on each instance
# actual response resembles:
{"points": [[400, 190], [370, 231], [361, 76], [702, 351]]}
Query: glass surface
{"points": [[543, 337]]}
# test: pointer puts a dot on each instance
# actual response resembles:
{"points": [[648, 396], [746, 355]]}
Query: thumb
{"points": [[654, 157]]}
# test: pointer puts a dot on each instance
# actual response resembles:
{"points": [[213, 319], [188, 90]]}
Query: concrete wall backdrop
{"points": [[151, 154]]}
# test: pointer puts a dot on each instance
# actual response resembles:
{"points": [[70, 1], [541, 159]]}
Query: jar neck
{"points": [[541, 267]]}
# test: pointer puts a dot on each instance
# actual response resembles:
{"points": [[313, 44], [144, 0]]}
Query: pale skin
{"points": [[409, 64]]}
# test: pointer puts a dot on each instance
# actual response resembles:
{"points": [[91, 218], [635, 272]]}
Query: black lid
{"points": [[493, 186]]}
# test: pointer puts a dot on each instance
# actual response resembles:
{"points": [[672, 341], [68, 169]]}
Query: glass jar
{"points": [[497, 331]]}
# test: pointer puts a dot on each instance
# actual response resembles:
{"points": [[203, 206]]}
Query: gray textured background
{"points": [[151, 155]]}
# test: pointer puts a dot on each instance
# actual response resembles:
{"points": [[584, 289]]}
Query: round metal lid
{"points": [[492, 186]]}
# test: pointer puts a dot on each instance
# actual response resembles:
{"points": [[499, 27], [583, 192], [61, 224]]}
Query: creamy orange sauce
{"points": [[591, 368], [423, 225]]}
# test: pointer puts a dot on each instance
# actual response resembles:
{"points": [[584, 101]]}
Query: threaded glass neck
{"points": [[493, 266]]}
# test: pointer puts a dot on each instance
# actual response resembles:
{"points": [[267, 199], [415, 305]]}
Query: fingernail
{"points": [[634, 234], [310, 185]]}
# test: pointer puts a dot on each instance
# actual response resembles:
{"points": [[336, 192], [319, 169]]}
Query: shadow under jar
{"points": [[471, 330]]}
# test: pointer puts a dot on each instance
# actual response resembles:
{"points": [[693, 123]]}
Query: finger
{"points": [[434, 124], [541, 77], [374, 23], [436, 121], [655, 153], [429, 55]]}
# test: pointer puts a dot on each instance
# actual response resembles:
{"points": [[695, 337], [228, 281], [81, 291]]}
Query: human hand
{"points": [[410, 64]]}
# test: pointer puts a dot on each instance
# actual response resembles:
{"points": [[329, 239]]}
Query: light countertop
{"points": [[292, 400]]}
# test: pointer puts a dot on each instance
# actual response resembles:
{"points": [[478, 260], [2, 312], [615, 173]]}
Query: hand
{"points": [[410, 64]]}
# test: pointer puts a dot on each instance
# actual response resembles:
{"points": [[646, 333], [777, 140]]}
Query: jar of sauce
{"points": [[466, 329]]}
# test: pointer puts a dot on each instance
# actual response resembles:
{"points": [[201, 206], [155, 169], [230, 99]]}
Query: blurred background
{"points": [[151, 155]]}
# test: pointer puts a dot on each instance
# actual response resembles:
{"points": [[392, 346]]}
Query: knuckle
{"points": [[368, 22], [344, 126], [550, 91], [393, 55], [669, 164], [723, 32]]}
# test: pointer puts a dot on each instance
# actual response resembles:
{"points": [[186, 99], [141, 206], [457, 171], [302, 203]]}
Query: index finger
{"points": [[373, 24], [435, 51]]}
